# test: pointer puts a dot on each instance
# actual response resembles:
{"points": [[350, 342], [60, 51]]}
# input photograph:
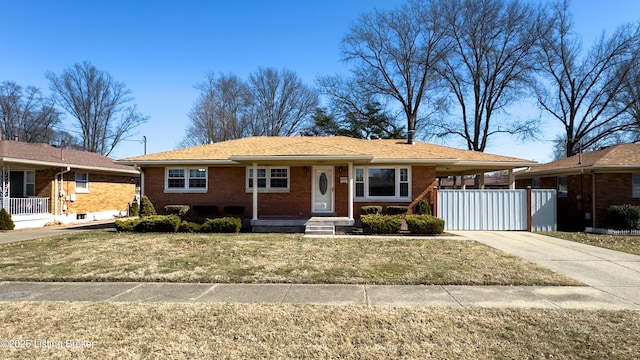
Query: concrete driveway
{"points": [[30, 234], [611, 272]]}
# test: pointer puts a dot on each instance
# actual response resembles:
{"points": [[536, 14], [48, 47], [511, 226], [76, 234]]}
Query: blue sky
{"points": [[161, 49]]}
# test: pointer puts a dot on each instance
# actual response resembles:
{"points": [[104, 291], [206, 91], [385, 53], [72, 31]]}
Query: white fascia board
{"points": [[64, 165]]}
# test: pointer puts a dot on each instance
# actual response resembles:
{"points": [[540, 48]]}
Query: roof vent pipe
{"points": [[411, 134]]}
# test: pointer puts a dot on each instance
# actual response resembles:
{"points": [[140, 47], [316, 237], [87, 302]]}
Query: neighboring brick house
{"points": [[301, 177], [587, 184], [41, 183]]}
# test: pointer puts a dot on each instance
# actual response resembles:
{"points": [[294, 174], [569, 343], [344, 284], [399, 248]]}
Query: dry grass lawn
{"points": [[628, 244], [231, 331], [266, 258]]}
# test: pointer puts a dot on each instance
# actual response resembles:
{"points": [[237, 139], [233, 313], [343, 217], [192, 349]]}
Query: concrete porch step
{"points": [[319, 229]]}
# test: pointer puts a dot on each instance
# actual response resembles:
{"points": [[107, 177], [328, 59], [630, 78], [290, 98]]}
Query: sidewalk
{"points": [[547, 297]]}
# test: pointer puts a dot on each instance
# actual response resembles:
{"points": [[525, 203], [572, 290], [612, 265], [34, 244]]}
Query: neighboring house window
{"points": [[382, 183], [186, 179], [269, 179], [30, 183], [82, 182], [535, 183], [563, 191], [636, 186]]}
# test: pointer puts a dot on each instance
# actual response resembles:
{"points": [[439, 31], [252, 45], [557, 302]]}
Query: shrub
{"points": [[134, 209], [158, 223], [381, 224], [206, 210], [397, 210], [126, 225], [179, 210], [188, 227], [423, 208], [146, 207], [6, 223], [370, 210], [222, 225], [624, 217], [234, 210], [424, 224]]}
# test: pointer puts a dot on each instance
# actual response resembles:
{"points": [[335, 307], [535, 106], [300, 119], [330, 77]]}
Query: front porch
{"points": [[30, 212], [317, 225]]}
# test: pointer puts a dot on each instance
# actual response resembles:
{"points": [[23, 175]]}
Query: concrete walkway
{"points": [[612, 279]]}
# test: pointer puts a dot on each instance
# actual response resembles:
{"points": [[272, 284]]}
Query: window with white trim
{"points": [[269, 179], [30, 183], [186, 179], [635, 187], [563, 190], [384, 183], [82, 182]]}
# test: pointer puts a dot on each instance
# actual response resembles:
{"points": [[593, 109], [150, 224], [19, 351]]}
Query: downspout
{"points": [[56, 194], [593, 200], [351, 191], [137, 167]]}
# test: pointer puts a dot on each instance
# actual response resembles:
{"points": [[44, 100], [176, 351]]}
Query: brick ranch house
{"points": [[587, 184], [299, 178], [42, 183]]}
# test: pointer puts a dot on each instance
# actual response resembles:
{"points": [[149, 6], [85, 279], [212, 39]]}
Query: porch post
{"points": [[6, 183], [255, 191], [481, 180], [350, 192], [512, 181]]}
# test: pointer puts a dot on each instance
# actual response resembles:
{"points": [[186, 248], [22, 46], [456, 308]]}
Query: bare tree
{"points": [[25, 114], [394, 54], [588, 94], [102, 106], [282, 103], [221, 113], [490, 65]]}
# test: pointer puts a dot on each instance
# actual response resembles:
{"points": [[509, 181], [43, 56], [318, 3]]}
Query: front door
{"points": [[323, 189]]}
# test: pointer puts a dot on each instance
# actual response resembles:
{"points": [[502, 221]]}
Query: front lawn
{"points": [[266, 258], [253, 331], [628, 244]]}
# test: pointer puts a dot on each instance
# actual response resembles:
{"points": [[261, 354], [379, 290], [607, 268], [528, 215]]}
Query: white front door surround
{"points": [[323, 190]]}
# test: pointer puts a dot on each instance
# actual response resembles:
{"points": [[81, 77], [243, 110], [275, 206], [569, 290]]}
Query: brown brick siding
{"points": [[226, 186]]}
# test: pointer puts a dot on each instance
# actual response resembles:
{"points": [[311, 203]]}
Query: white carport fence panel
{"points": [[496, 209], [544, 211]]}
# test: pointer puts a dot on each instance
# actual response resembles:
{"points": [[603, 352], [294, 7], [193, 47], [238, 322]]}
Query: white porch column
{"points": [[350, 192], [255, 191], [512, 180]]}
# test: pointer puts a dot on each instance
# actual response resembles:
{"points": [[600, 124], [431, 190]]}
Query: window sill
{"points": [[249, 191], [381, 199], [182, 191]]}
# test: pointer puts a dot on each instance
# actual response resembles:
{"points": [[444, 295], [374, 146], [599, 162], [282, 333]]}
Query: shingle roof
{"points": [[322, 147], [47, 155], [622, 156]]}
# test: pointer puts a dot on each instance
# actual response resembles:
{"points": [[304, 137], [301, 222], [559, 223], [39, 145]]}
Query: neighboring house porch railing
{"points": [[25, 206]]}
